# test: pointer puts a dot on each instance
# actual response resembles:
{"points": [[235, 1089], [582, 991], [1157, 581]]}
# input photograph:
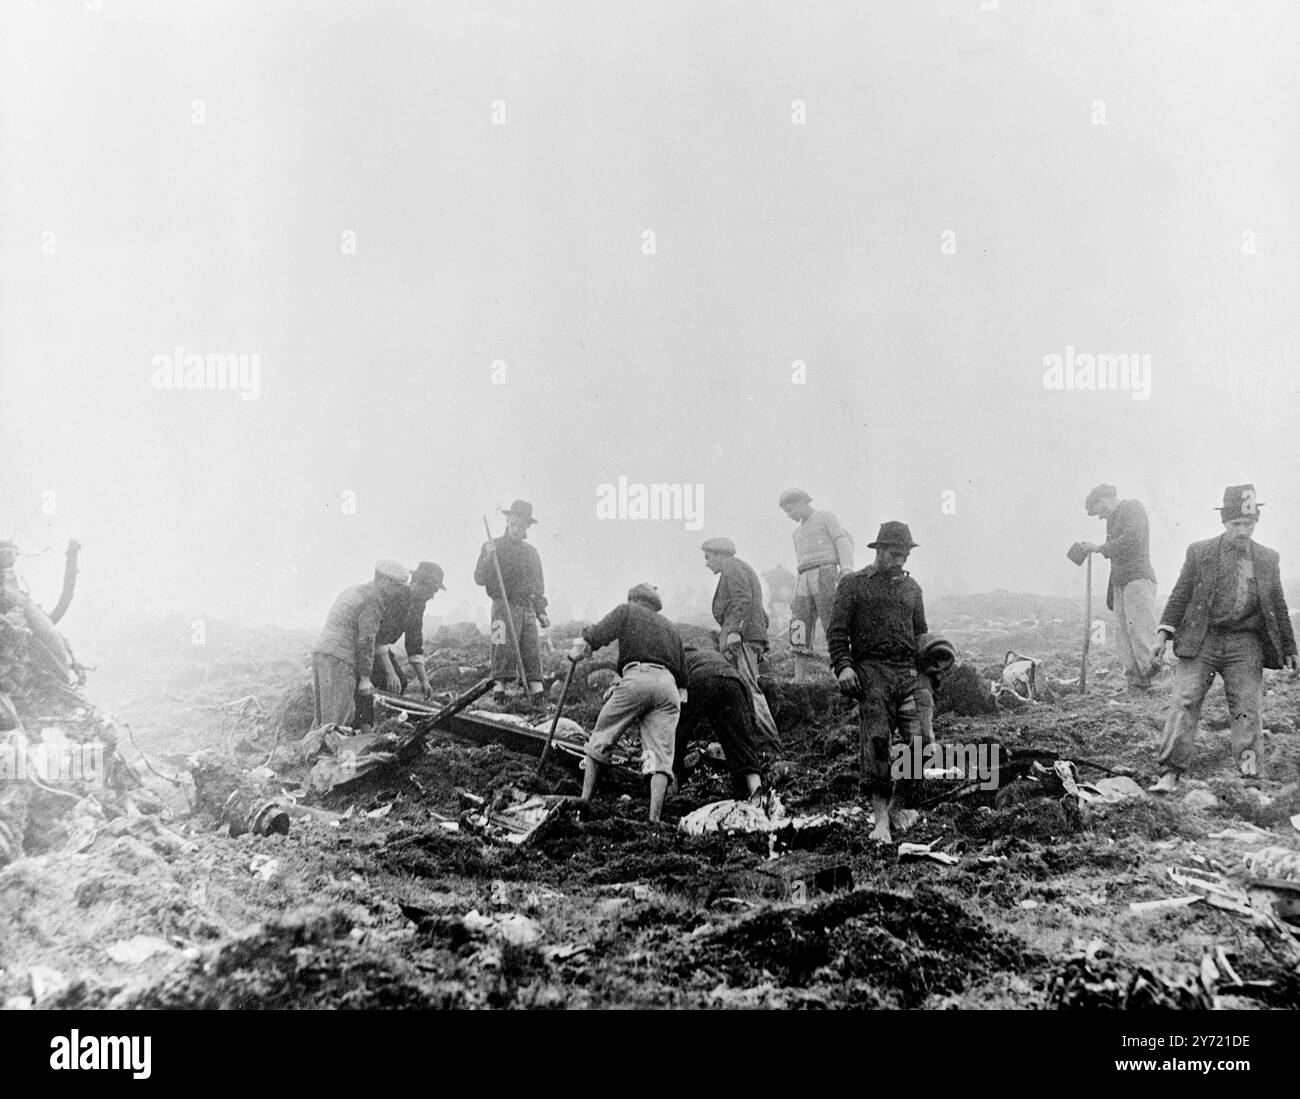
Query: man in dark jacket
{"points": [[647, 695], [524, 600], [1227, 615], [1131, 590], [719, 695], [878, 618], [738, 610], [406, 620]]}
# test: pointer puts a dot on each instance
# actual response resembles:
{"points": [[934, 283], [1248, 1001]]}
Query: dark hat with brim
{"points": [[1239, 503], [893, 534], [428, 572], [521, 507], [1097, 495]]}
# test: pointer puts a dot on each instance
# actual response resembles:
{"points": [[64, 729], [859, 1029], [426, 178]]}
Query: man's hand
{"points": [[579, 650], [365, 687], [733, 639], [681, 695], [1158, 653], [544, 621], [849, 684], [1292, 662], [1089, 547], [489, 548]]}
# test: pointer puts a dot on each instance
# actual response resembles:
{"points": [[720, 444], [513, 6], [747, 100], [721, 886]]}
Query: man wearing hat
{"points": [[1131, 590], [874, 634], [738, 610], [344, 656], [524, 600], [1227, 615], [823, 553], [648, 694], [406, 618]]}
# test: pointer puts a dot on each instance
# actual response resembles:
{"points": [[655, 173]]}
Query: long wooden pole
{"points": [[556, 719], [1087, 628], [510, 615]]}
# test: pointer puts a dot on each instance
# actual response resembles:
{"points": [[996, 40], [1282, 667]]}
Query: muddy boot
{"points": [[1167, 783]]}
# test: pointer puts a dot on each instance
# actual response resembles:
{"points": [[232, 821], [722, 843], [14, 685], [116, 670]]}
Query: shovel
{"points": [[564, 693], [1079, 555]]}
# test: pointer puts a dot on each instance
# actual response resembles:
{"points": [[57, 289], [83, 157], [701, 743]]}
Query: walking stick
{"points": [[510, 616], [568, 678], [1087, 629]]}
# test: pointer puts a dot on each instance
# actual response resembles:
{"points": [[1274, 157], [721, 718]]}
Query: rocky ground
{"points": [[378, 902]]}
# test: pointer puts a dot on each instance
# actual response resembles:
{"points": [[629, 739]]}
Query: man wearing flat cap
{"points": [[406, 619], [874, 634], [1131, 590], [344, 656], [1227, 616], [824, 554], [648, 694], [742, 621], [524, 600]]}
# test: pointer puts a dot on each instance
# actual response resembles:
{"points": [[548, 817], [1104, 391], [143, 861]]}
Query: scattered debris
{"points": [[926, 851]]}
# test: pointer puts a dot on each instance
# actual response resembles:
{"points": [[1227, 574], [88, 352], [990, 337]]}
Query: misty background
{"points": [[186, 174]]}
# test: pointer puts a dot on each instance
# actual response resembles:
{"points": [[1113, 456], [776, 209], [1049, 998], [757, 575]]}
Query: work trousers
{"points": [[334, 683], [888, 708], [1238, 658], [1135, 625], [725, 704], [645, 697], [744, 658], [503, 650], [814, 598]]}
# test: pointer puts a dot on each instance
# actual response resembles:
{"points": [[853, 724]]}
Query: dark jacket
{"points": [[1188, 609], [1127, 547], [643, 635], [404, 617], [521, 568], [877, 616], [702, 664], [738, 603]]}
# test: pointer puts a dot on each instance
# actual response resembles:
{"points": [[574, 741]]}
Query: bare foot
{"points": [[1167, 783], [880, 833]]}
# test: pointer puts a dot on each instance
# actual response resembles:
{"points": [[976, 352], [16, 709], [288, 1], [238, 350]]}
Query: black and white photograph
{"points": [[737, 505]]}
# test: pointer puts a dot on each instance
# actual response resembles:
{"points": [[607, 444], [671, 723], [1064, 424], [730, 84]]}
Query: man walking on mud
{"points": [[742, 621], [1131, 591], [1227, 615], [343, 657], [824, 555], [878, 617], [524, 601], [648, 694]]}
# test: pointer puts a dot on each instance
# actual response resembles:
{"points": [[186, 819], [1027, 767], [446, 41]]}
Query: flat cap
{"points": [[719, 545], [793, 496], [647, 594], [391, 570]]}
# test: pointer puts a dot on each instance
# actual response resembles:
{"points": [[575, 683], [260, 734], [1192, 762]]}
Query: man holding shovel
{"points": [[648, 694], [511, 571], [1131, 590]]}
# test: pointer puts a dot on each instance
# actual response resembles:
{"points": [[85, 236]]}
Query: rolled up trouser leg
{"points": [[888, 707], [335, 684], [1192, 679]]}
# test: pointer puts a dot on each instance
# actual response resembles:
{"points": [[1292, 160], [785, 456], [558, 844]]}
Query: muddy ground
{"points": [[391, 909]]}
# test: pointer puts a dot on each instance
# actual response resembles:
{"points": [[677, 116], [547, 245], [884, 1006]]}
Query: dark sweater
{"points": [[643, 635], [521, 568], [405, 617], [877, 616], [702, 664], [1127, 547]]}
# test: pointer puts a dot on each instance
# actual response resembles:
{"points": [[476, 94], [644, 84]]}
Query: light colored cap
{"points": [[392, 570], [719, 545]]}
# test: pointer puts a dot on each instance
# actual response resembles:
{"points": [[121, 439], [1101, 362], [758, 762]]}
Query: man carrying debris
{"points": [[524, 600], [1131, 590], [407, 619], [738, 610], [1227, 615], [824, 554], [344, 656], [878, 617], [718, 694], [648, 695]]}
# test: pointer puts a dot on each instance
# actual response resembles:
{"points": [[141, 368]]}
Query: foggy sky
{"points": [[127, 229]]}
